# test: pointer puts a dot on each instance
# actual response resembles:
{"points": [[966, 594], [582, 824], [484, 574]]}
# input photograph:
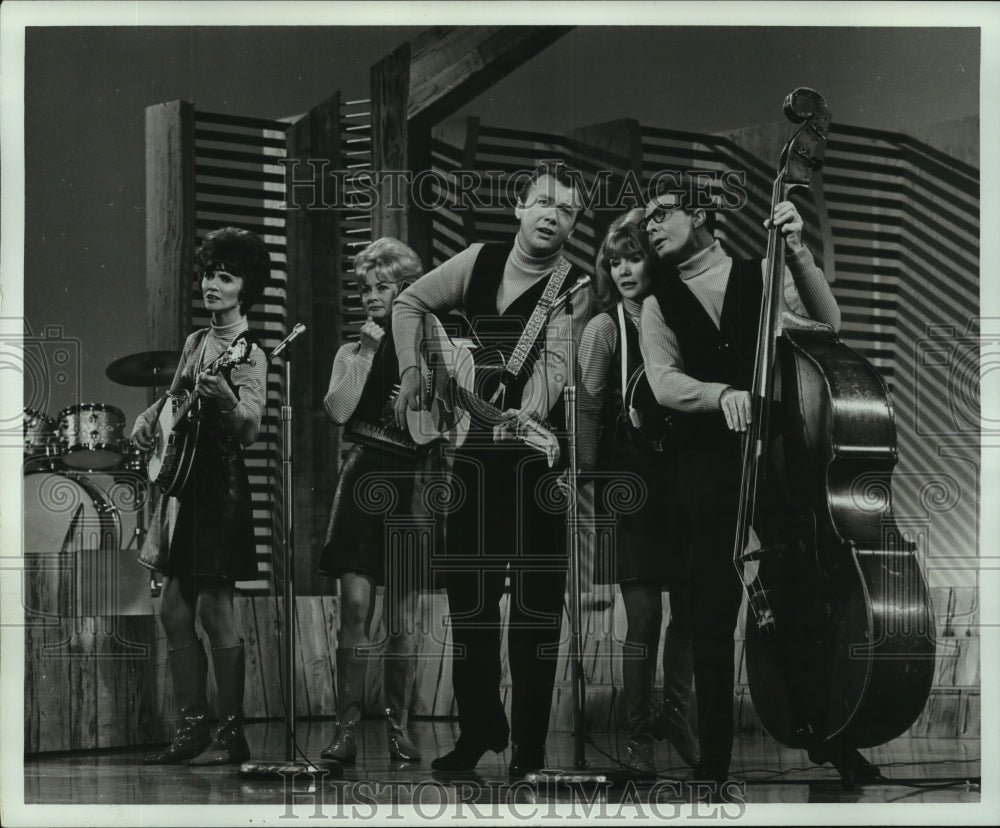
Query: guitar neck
{"points": [[478, 406], [489, 413]]}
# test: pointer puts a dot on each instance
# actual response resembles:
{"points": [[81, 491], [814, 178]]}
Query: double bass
{"points": [[840, 637]]}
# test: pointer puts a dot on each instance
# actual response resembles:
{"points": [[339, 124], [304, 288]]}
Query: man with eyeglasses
{"points": [[698, 341], [503, 518]]}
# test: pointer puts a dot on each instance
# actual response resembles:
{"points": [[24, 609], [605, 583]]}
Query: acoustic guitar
{"points": [[448, 373]]}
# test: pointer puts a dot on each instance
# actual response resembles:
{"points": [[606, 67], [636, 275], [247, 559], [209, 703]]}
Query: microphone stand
{"points": [[268, 769], [580, 774]]}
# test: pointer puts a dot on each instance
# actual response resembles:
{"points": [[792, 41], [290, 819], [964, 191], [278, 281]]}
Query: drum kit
{"points": [[65, 457]]}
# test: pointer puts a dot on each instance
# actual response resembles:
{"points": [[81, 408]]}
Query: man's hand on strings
{"points": [[736, 408], [789, 222], [409, 397], [506, 430]]}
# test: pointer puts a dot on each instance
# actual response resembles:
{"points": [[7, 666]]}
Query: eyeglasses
{"points": [[658, 216]]}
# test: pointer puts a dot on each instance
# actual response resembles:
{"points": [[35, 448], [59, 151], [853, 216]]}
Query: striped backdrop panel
{"points": [[240, 182]]}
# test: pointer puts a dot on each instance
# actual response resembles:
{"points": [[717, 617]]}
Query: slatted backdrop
{"points": [[356, 232], [240, 182], [895, 224], [902, 234]]}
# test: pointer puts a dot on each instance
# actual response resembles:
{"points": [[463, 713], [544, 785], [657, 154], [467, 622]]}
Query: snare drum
{"points": [[42, 445], [93, 436]]}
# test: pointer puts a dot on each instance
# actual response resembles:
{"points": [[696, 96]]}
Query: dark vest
{"points": [[373, 406], [503, 331], [724, 354]]}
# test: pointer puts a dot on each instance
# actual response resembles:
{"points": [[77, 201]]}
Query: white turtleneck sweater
{"points": [[445, 288], [706, 274], [597, 350], [250, 379]]}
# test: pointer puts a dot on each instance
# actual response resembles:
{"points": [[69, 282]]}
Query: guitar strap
{"points": [[633, 416], [533, 328]]}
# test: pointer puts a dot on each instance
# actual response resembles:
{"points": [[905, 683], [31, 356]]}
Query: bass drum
{"points": [[66, 520]]}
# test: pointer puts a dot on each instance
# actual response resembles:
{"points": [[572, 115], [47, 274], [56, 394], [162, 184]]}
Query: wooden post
{"points": [[615, 146], [420, 84], [390, 85], [170, 223], [314, 298]]}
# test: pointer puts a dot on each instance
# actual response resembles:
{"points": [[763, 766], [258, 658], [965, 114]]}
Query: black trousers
{"points": [[708, 498], [511, 519]]}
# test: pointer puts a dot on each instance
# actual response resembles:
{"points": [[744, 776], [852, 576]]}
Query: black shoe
{"points": [[525, 759], [466, 754], [854, 769]]}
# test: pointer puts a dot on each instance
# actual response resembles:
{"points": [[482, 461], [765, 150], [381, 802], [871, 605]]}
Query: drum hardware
{"points": [[144, 369]]}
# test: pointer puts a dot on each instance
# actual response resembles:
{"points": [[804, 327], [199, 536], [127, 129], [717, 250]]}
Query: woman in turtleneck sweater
{"points": [[623, 445], [202, 538]]}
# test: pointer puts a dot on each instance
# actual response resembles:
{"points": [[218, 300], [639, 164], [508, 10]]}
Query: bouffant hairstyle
{"points": [[391, 260], [241, 253], [624, 237]]}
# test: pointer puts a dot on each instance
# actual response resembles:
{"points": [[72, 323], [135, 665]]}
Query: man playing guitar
{"points": [[508, 514]]}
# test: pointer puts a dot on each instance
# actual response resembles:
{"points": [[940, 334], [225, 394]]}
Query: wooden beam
{"points": [[615, 146], [314, 298], [421, 83], [390, 84], [451, 65], [170, 223]]}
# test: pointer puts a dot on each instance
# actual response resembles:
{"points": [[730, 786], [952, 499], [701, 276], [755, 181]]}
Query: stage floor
{"points": [[921, 769]]}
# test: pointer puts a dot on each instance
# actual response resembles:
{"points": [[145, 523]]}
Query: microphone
{"points": [[563, 299], [298, 329]]}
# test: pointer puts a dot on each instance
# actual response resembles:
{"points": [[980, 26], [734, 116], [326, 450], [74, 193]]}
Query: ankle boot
{"points": [[639, 750], [189, 671], [671, 723], [637, 675], [350, 700], [229, 745], [400, 673]]}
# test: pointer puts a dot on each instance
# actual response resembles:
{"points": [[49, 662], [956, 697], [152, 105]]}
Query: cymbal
{"points": [[148, 368]]}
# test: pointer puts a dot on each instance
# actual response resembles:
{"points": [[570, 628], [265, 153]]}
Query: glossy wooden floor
{"points": [[772, 774]]}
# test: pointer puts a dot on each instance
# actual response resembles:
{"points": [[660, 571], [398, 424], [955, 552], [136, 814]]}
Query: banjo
{"points": [[178, 421]]}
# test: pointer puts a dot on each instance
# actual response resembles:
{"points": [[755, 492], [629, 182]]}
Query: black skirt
{"points": [[639, 536], [374, 487], [213, 538]]}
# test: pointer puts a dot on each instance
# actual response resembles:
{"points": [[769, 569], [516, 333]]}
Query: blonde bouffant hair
{"points": [[391, 260], [624, 237]]}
